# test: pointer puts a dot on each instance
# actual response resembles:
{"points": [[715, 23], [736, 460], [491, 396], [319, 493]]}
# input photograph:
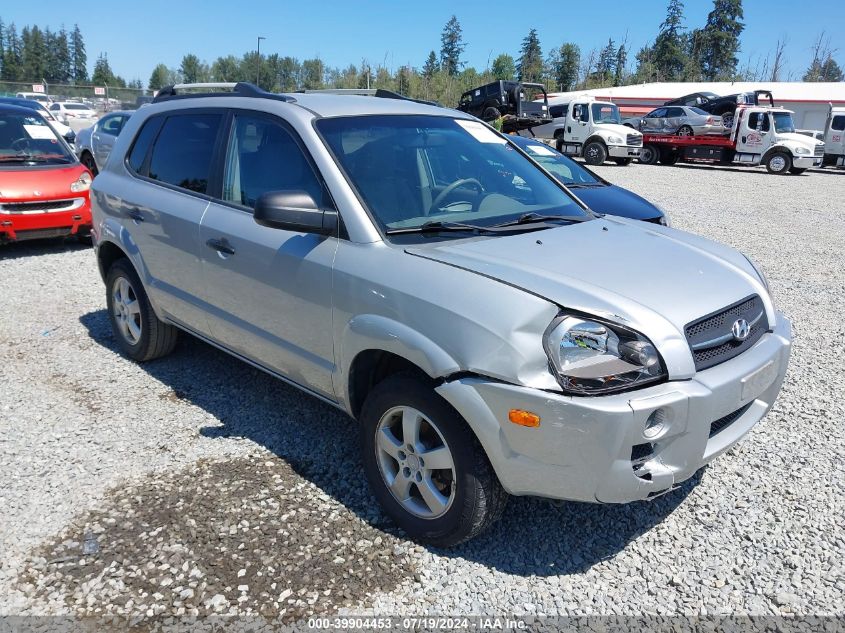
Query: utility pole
{"points": [[258, 71]]}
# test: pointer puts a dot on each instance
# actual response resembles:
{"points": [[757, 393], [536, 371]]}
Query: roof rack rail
{"points": [[240, 89], [367, 92]]}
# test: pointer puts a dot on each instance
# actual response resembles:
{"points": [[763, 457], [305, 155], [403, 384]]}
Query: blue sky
{"points": [[139, 35]]}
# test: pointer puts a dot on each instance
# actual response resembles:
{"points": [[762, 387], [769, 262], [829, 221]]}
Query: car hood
{"points": [[800, 139], [50, 181], [615, 200], [648, 277], [616, 128]]}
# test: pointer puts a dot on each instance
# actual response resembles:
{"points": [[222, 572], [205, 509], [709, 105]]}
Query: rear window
{"points": [[141, 146], [76, 106], [183, 151], [698, 111]]}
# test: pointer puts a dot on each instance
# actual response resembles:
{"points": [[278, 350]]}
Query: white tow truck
{"points": [[761, 135], [591, 129]]}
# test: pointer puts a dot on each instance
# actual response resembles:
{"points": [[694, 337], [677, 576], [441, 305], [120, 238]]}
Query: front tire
{"points": [[797, 171], [424, 464], [138, 331], [88, 161], [669, 157], [595, 153], [623, 162], [778, 163]]}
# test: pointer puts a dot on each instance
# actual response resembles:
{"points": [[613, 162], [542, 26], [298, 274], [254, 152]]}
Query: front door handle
{"points": [[221, 246]]}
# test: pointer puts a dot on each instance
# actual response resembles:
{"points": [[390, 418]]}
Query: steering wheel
{"points": [[20, 144], [450, 188]]}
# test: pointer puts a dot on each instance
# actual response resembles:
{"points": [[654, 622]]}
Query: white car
{"points": [[69, 110]]}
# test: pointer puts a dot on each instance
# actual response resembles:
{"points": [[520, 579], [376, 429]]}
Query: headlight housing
{"points": [[801, 150], [592, 357], [614, 139], [83, 183], [664, 220]]}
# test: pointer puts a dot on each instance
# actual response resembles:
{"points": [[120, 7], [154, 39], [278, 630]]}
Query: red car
{"points": [[43, 187]]}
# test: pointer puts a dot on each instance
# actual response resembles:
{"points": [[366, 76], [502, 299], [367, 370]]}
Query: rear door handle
{"points": [[221, 246], [135, 214]]}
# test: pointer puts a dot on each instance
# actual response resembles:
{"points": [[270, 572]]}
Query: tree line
{"points": [[677, 53]]}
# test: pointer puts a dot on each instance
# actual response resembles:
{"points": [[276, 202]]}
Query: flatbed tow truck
{"points": [[760, 135]]}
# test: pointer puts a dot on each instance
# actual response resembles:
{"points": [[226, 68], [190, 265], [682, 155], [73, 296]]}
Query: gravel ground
{"points": [[195, 484]]}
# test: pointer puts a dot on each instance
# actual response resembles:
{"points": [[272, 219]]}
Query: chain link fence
{"points": [[103, 98]]}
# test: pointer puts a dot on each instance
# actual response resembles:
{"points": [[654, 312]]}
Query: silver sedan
{"points": [[94, 144], [680, 120]]}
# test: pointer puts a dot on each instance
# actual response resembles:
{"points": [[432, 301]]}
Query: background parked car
{"points": [[722, 106], [93, 144], [71, 110], [680, 120], [63, 130], [45, 188], [600, 195]]}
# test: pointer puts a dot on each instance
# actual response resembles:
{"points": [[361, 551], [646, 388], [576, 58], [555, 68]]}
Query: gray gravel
{"points": [[153, 465]]}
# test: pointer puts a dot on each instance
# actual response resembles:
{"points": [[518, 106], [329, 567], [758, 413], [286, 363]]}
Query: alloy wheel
{"points": [[415, 462], [126, 310]]}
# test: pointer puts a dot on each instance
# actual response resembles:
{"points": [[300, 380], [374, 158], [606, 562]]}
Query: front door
{"points": [[755, 132], [104, 136], [579, 126], [268, 290]]}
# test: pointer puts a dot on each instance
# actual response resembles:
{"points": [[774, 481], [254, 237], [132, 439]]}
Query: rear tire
{"points": [[595, 153], [669, 158], [138, 331], [685, 130], [778, 163], [623, 162], [442, 503], [649, 155], [490, 114]]}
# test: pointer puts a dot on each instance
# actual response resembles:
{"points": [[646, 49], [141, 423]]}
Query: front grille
{"points": [[724, 422], [819, 151], [710, 338], [634, 139], [41, 206]]}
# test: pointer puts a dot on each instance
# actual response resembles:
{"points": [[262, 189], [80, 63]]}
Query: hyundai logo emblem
{"points": [[740, 329]]}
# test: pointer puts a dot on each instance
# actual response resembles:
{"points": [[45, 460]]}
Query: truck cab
{"points": [[767, 135], [593, 130], [834, 138]]}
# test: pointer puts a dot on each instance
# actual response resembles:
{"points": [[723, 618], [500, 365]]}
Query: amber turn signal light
{"points": [[524, 418]]}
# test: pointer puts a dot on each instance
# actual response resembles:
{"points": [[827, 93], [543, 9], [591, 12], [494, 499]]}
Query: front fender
{"points": [[372, 331]]}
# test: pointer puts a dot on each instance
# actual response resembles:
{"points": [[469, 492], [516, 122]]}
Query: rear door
{"points": [[172, 159], [675, 118], [268, 291]]}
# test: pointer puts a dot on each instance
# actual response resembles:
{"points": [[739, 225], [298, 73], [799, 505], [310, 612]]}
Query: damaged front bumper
{"points": [[601, 449]]}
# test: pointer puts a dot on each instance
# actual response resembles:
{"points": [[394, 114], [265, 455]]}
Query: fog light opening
{"points": [[655, 424]]}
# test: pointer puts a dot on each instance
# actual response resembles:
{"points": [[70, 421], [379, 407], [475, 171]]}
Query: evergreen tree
{"points": [[34, 54], [79, 63], [103, 75], [563, 66], [621, 60], [226, 69], [161, 76], [13, 55], [670, 55], [607, 63], [430, 67], [503, 67], [827, 70], [451, 47], [403, 81], [720, 44], [289, 73], [2, 45], [312, 74], [193, 71], [63, 60], [530, 66]]}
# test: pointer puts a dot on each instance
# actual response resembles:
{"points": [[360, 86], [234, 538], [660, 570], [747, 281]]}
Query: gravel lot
{"points": [[195, 484]]}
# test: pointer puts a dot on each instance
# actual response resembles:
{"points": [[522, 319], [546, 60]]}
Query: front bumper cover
{"points": [[582, 449]]}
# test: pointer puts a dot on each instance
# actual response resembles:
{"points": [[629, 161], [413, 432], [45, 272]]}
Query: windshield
{"points": [[605, 113], [27, 139], [783, 122], [411, 170], [561, 167]]}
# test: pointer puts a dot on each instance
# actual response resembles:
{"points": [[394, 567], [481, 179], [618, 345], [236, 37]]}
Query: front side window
{"points": [[112, 125], [561, 167], [412, 169], [656, 114], [838, 123], [760, 119], [27, 139], [262, 156], [183, 151]]}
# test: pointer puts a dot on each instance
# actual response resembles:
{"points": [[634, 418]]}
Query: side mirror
{"points": [[294, 210]]}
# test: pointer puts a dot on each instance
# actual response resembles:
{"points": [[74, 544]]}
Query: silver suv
{"points": [[404, 262]]}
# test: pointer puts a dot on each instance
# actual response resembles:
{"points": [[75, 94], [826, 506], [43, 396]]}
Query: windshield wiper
{"points": [[583, 185], [438, 227], [532, 218]]}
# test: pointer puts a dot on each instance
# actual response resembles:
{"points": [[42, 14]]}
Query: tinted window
{"points": [[111, 125], [142, 144], [675, 112], [754, 120], [263, 156], [183, 151], [656, 114], [557, 111], [838, 123], [698, 111]]}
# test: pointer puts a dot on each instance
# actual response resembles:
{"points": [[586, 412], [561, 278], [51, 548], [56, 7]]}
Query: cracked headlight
{"points": [[590, 357]]}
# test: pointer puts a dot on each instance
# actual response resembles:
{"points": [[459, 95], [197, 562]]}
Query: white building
{"points": [[809, 100]]}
